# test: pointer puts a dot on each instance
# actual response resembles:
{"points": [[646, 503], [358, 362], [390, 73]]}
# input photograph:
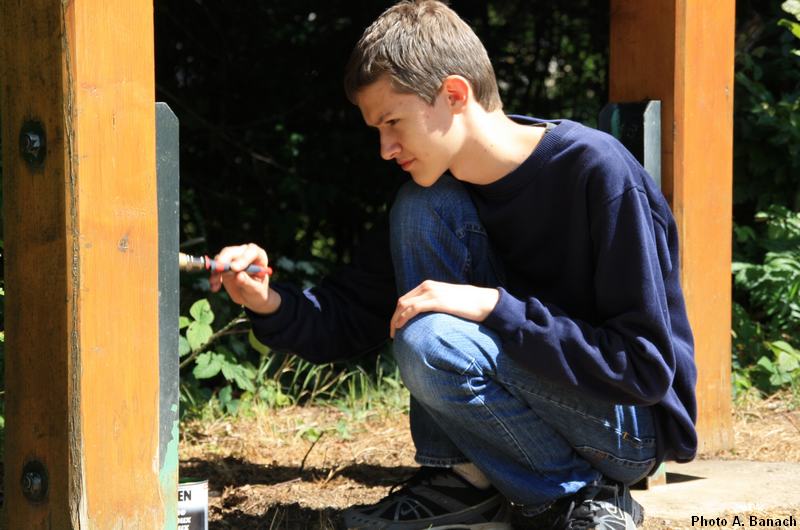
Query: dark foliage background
{"points": [[272, 152], [766, 111]]}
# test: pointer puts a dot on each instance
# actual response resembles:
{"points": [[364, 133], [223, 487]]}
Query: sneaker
{"points": [[604, 505], [435, 499]]}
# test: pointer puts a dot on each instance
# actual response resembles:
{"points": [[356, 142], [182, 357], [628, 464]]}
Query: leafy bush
{"points": [[766, 268], [272, 152], [766, 108], [219, 369], [766, 313]]}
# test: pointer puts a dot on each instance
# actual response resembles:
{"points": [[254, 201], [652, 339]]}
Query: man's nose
{"points": [[390, 148]]}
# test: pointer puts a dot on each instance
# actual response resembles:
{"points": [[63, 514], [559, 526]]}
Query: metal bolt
{"points": [[32, 143], [34, 481], [32, 484]]}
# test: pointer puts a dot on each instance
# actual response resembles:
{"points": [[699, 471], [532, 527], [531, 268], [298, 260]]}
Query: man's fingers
{"points": [[408, 310], [240, 256], [250, 254], [228, 254]]}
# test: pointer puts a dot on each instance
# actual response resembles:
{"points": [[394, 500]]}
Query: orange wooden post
{"points": [[81, 242], [681, 52]]}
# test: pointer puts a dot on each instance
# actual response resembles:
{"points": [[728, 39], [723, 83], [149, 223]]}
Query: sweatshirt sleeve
{"points": [[629, 353], [346, 315]]}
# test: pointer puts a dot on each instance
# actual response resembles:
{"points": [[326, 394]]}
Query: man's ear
{"points": [[458, 92]]}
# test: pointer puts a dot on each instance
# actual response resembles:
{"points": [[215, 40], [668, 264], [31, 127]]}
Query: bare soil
{"points": [[265, 471]]}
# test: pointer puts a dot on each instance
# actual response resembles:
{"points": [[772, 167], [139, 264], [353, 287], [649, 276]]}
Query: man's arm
{"points": [[346, 315], [641, 337]]}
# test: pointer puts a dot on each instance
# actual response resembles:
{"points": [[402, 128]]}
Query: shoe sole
{"points": [[477, 526]]}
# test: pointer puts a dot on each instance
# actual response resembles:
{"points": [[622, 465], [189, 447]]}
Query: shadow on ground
{"points": [[234, 472], [233, 503], [290, 517]]}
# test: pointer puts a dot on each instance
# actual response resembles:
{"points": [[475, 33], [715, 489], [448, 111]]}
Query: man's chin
{"points": [[426, 181]]}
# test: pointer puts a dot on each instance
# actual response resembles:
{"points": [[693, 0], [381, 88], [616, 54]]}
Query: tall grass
{"points": [[284, 380]]}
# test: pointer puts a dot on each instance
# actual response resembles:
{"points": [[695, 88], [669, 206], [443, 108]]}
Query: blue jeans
{"points": [[535, 440]]}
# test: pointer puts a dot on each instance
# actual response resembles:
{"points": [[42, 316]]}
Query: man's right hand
{"points": [[251, 291]]}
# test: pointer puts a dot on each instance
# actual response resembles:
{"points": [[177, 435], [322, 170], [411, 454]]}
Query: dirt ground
{"points": [[265, 472]]}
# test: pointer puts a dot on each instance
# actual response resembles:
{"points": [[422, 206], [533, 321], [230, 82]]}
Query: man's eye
{"points": [[392, 122]]}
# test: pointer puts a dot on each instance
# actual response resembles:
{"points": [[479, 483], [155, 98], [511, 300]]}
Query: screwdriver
{"points": [[189, 263]]}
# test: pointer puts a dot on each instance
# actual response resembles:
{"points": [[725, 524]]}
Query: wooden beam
{"points": [[81, 277], [681, 52]]}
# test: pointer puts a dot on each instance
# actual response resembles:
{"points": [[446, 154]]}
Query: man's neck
{"points": [[495, 147]]}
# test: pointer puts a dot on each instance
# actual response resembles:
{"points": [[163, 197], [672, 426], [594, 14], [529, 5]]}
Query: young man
{"points": [[540, 326]]}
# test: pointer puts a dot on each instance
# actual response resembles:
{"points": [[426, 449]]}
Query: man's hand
{"points": [[465, 301], [251, 291]]}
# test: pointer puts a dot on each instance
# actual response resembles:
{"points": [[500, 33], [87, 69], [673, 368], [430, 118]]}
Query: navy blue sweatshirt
{"points": [[591, 299]]}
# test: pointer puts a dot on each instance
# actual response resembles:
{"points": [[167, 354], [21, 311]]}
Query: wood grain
{"points": [[681, 52], [82, 247]]}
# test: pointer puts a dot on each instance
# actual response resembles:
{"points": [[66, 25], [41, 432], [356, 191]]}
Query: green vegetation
{"points": [[272, 152], [218, 376], [767, 312], [766, 268]]}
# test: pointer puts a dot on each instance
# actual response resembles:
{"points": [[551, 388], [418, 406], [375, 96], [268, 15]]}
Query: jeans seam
{"points": [[439, 462], [634, 441], [507, 432], [471, 228], [629, 463], [461, 235]]}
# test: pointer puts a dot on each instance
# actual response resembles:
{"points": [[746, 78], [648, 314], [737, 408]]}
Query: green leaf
{"points": [[311, 433], [207, 365], [198, 334], [792, 7], [183, 322], [741, 381], [794, 27], [766, 364], [238, 374], [787, 363], [779, 346], [183, 346], [225, 395], [201, 311], [779, 379], [263, 349], [273, 396]]}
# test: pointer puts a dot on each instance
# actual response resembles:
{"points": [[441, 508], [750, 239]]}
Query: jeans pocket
{"points": [[624, 470]]}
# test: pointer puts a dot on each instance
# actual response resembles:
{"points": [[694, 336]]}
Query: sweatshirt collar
{"points": [[550, 144]]}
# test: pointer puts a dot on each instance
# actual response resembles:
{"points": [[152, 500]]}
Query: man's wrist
{"points": [[492, 296], [273, 303]]}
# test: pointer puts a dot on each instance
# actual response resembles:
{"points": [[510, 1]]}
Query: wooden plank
{"points": [[642, 63], [82, 247], [704, 114], [681, 52], [37, 348]]}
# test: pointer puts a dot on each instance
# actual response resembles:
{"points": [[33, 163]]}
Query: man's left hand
{"points": [[465, 301]]}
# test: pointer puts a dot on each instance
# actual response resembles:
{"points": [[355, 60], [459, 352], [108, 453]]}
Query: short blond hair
{"points": [[417, 44]]}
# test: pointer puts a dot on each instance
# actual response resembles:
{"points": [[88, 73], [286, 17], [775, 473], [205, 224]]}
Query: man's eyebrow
{"points": [[381, 118]]}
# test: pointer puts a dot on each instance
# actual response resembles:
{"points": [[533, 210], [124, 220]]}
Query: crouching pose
{"points": [[529, 278]]}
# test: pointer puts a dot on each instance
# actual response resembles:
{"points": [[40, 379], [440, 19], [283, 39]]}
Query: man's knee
{"points": [[415, 205], [433, 352]]}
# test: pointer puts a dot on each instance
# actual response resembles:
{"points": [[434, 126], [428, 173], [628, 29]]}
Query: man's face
{"points": [[418, 136]]}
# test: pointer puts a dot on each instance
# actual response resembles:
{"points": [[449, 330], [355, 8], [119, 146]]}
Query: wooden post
{"points": [[681, 52], [81, 242]]}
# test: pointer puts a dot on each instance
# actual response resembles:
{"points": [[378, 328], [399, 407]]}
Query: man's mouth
{"points": [[406, 164]]}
